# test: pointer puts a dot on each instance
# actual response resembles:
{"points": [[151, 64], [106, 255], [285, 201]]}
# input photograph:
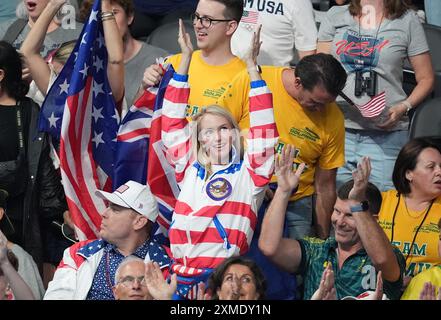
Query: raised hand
{"points": [[186, 49], [158, 287], [378, 294], [251, 56], [184, 40], [361, 180], [202, 295], [287, 180], [429, 292], [232, 292]]}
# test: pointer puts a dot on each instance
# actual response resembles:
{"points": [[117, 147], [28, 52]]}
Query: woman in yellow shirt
{"points": [[409, 215]]}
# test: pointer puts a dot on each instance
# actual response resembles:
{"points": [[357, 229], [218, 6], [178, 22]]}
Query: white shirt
{"points": [[285, 23]]}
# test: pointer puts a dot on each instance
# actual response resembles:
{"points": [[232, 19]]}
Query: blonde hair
{"points": [[63, 52], [200, 153]]}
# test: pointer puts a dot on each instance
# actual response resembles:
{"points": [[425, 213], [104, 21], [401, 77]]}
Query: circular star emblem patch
{"points": [[219, 189]]}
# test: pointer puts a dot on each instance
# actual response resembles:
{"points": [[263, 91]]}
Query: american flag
{"points": [[80, 104], [249, 17], [140, 137], [374, 107]]}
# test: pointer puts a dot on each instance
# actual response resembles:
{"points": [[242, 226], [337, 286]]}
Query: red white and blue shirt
{"points": [[215, 216]]}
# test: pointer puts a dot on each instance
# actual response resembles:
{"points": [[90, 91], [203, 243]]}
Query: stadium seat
{"points": [[433, 35], [166, 36], [426, 122]]}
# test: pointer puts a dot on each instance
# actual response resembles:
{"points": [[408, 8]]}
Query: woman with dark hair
{"points": [[237, 278], [36, 196], [409, 214], [371, 39]]}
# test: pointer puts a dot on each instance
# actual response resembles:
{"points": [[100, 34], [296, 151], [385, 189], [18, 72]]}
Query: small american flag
{"points": [[374, 107], [250, 17]]}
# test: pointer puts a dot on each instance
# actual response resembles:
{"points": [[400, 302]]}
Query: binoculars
{"points": [[366, 84]]}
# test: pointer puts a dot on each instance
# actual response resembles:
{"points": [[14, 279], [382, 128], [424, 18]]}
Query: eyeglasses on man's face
{"points": [[128, 281], [206, 22]]}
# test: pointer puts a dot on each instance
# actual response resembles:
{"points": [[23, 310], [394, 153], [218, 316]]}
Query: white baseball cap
{"points": [[135, 196]]}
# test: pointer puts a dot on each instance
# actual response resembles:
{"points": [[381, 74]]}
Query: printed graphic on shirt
{"points": [[359, 52], [305, 133], [272, 7], [219, 189]]}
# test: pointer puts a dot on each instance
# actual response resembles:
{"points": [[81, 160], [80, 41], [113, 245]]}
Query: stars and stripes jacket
{"points": [[74, 276], [215, 216]]}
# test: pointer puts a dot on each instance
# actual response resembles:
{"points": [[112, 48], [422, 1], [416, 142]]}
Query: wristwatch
{"points": [[362, 206]]}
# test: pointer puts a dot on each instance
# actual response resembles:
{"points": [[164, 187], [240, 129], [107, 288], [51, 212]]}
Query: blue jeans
{"points": [[299, 218], [381, 147], [433, 11]]}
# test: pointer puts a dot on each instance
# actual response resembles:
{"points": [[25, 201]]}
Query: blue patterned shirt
{"points": [[104, 277]]}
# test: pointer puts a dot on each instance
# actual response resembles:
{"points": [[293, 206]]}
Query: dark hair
{"points": [[407, 160], [12, 260], [394, 8], [10, 62], [86, 7], [321, 69], [217, 277], [373, 195], [3, 196], [233, 9]]}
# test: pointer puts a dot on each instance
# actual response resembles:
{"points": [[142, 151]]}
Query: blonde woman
{"points": [[221, 190]]}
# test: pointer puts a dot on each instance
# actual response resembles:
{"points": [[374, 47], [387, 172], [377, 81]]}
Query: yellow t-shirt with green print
{"points": [[319, 137], [207, 82], [424, 253]]}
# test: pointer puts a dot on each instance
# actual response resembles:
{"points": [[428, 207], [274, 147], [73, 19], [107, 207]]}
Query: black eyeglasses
{"points": [[205, 21]]}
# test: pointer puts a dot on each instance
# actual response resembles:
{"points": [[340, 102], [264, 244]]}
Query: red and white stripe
{"points": [[249, 17], [176, 132], [78, 169], [195, 242], [374, 107]]}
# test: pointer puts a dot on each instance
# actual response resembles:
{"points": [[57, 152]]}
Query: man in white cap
{"points": [[87, 271]]}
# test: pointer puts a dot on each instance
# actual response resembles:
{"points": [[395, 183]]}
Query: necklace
{"points": [[417, 230]]}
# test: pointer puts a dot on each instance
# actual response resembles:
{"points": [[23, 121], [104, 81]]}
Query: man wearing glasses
{"points": [[214, 65], [88, 268], [129, 280]]}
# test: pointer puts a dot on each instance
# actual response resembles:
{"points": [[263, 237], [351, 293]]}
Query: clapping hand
{"points": [[361, 180], [158, 287], [202, 294], [326, 290], [287, 180]]}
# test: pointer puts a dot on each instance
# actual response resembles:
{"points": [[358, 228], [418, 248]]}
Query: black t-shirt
{"points": [[9, 151], [8, 133]]}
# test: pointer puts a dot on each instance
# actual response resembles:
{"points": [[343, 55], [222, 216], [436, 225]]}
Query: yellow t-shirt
{"points": [[207, 82], [317, 136], [415, 286], [425, 250]]}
